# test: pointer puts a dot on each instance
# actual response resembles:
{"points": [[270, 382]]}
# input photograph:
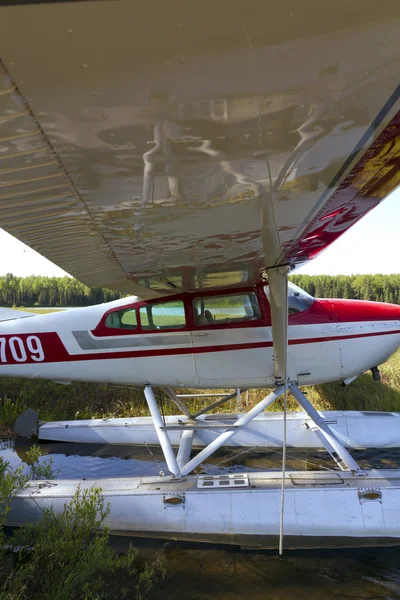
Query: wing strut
{"points": [[182, 465], [278, 289]]}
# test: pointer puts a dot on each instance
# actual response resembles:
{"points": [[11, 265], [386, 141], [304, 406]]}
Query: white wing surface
{"points": [[165, 146]]}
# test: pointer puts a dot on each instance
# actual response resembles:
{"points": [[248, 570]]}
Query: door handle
{"points": [[200, 334]]}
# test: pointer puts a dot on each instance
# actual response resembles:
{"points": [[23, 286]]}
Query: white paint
{"points": [[322, 509], [312, 363], [354, 429]]}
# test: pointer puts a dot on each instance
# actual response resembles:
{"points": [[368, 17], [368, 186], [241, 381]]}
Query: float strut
{"points": [[205, 409], [178, 402], [327, 436], [161, 434], [224, 437], [185, 447]]}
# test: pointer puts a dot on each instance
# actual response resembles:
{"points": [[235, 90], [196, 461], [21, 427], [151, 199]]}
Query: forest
{"points": [[65, 291], [50, 291], [380, 288]]}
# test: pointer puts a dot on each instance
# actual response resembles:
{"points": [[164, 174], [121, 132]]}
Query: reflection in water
{"points": [[203, 572]]}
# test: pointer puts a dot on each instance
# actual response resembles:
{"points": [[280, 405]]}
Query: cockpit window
{"points": [[217, 310], [163, 315], [122, 319], [298, 299]]}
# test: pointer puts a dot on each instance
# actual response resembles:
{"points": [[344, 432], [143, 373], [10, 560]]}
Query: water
{"points": [[202, 572]]}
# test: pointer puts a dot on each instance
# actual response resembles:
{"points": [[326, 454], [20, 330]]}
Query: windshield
{"points": [[298, 299]]}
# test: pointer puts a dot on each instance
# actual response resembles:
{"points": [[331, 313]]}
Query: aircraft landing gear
{"points": [[181, 464]]}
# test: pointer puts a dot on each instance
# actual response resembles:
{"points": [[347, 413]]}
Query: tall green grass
{"points": [[66, 555], [90, 400], [36, 310]]}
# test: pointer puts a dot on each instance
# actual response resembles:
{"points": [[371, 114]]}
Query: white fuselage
{"points": [[62, 347]]}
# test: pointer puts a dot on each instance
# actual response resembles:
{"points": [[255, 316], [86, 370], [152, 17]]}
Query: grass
{"points": [[56, 402], [67, 554], [37, 310], [81, 564]]}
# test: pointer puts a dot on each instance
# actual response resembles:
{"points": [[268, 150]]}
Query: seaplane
{"points": [[191, 156]]}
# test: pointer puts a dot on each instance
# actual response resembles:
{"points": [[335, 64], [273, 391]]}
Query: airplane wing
{"points": [[9, 314], [165, 146]]}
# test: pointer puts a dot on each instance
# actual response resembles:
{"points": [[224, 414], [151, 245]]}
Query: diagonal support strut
{"points": [[182, 465], [328, 438], [224, 437]]}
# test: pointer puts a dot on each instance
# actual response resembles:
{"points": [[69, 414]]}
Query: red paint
{"points": [[341, 337], [55, 351], [372, 179], [321, 311], [101, 330], [357, 311], [346, 311]]}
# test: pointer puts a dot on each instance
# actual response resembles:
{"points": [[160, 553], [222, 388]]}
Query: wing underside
{"points": [[155, 147]]}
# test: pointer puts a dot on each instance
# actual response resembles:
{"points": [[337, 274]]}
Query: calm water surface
{"points": [[207, 572]]}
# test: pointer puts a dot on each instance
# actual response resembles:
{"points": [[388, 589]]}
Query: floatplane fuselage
{"points": [[213, 339], [215, 142], [206, 340]]}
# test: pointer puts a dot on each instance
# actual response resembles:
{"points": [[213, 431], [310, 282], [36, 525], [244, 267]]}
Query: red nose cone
{"points": [[362, 310]]}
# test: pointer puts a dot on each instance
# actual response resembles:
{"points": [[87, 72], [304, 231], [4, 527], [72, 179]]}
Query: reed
{"points": [[67, 555], [55, 402]]}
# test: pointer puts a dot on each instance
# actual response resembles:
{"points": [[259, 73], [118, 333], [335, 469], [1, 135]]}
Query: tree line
{"points": [[379, 288], [50, 291], [65, 291]]}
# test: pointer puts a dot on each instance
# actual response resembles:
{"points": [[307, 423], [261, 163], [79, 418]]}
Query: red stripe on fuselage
{"points": [[55, 351]]}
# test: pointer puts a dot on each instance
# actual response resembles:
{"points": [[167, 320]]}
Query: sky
{"points": [[370, 246]]}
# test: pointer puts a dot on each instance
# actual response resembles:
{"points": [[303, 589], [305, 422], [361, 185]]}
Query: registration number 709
{"points": [[21, 350]]}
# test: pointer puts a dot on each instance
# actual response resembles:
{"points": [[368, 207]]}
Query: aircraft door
{"points": [[230, 341], [167, 336]]}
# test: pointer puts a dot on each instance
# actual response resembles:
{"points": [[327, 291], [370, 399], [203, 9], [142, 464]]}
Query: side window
{"points": [[165, 315], [122, 319], [216, 310]]}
